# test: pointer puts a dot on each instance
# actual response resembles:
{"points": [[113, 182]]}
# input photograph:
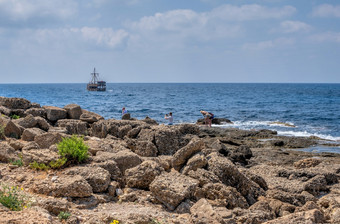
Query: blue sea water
{"points": [[314, 109]]}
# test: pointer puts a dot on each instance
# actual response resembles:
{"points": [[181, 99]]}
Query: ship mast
{"points": [[94, 76]]}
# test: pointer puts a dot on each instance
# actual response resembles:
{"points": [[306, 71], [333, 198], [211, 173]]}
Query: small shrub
{"points": [[64, 215], [74, 149], [14, 116], [2, 132], [13, 198], [58, 164], [39, 166]]}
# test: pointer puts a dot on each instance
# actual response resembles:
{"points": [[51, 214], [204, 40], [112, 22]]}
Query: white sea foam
{"points": [[307, 134]]}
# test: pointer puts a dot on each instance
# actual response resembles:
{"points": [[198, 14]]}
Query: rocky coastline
{"points": [[138, 171]]}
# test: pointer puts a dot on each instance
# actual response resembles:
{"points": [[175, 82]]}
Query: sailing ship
{"points": [[95, 84]]}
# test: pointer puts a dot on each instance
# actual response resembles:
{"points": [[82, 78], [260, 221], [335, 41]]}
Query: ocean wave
{"points": [[307, 134]]}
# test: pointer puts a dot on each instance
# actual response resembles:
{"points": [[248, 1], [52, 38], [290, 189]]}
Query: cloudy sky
{"points": [[49, 41]]}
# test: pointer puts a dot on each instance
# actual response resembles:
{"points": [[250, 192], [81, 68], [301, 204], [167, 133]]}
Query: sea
{"points": [[289, 109]]}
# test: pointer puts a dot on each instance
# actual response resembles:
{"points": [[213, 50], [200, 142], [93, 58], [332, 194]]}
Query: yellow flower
{"points": [[22, 188]]}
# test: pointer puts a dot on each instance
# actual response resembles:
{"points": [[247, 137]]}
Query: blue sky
{"points": [[47, 41]]}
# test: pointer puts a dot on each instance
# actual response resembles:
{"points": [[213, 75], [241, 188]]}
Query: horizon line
{"points": [[28, 83]]}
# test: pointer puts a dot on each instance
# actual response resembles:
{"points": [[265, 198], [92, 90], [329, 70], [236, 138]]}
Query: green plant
{"points": [[14, 116], [13, 198], [17, 162], [64, 215], [73, 148], [39, 166], [58, 163]]}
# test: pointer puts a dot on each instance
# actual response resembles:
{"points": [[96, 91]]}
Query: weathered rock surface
{"points": [[73, 111], [73, 126], [30, 133], [55, 113]]}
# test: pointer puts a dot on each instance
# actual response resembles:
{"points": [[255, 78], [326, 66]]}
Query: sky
{"points": [[152, 41]]}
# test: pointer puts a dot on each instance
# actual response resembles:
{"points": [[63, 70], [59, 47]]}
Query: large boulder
{"points": [[5, 111], [47, 139], [36, 112], [142, 175], [10, 129], [15, 103], [231, 176], [27, 122], [90, 117], [203, 176], [173, 188], [97, 177], [126, 116], [111, 167], [73, 111], [240, 154], [195, 162], [42, 123], [73, 126], [44, 156], [30, 133], [183, 154], [7, 153], [142, 148], [55, 113], [126, 159]]}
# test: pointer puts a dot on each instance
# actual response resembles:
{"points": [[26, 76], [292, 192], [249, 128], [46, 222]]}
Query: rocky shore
{"points": [[141, 172]]}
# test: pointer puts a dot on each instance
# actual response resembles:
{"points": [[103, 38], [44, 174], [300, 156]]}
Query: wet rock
{"points": [[172, 188], [218, 121], [54, 114], [307, 163], [15, 103], [73, 111], [30, 133], [73, 126], [97, 177], [142, 175], [183, 154]]}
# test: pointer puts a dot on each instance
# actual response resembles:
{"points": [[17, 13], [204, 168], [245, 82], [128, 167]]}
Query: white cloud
{"points": [[103, 36], [250, 12], [293, 27], [326, 10], [326, 37], [22, 10], [263, 45]]}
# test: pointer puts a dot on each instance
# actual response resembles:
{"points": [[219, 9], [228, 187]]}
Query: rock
{"points": [[291, 198], [231, 176], [73, 111], [47, 139], [16, 144], [15, 103], [312, 216], [307, 163], [90, 117], [54, 205], [133, 133], [126, 116], [202, 213], [316, 184], [240, 155], [54, 114], [126, 159], [172, 188], [73, 126], [201, 121], [123, 130], [97, 177], [27, 122], [29, 146], [183, 154], [10, 129], [7, 153], [148, 120], [39, 155], [142, 148], [256, 178], [114, 185], [5, 111], [191, 129], [203, 176], [42, 123], [142, 175], [30, 133], [229, 196], [195, 162], [36, 112], [110, 166], [29, 215]]}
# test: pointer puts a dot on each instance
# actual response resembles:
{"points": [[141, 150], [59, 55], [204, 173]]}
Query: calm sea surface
{"points": [[313, 108]]}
